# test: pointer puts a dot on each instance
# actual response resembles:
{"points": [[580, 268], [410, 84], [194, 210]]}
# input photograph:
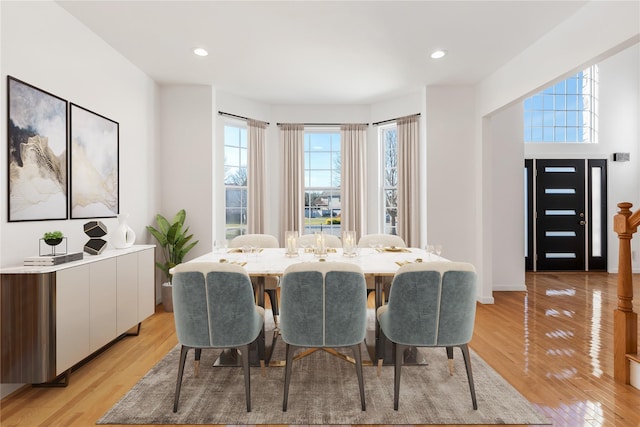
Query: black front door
{"points": [[560, 219]]}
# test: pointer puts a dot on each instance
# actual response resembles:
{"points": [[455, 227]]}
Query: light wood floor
{"points": [[553, 343]]}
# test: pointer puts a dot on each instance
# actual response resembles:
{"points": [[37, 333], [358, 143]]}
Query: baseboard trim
{"points": [[509, 288], [486, 300]]}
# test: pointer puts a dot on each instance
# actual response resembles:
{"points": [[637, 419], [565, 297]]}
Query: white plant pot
{"points": [[167, 297]]}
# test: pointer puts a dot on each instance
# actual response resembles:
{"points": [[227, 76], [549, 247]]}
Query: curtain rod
{"points": [[324, 124], [393, 120], [222, 113]]}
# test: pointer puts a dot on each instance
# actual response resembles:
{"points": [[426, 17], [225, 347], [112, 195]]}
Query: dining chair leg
{"points": [[287, 376], [247, 375], [196, 363], [183, 358], [467, 363], [450, 358], [399, 353], [358, 356]]}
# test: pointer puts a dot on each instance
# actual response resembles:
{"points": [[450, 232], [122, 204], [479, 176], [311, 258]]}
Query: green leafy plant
{"points": [[52, 238], [52, 235], [173, 239]]}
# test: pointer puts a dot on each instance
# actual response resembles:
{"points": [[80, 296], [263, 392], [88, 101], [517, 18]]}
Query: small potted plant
{"points": [[175, 243], [53, 238]]}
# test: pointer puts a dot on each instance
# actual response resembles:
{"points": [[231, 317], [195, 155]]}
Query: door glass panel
{"points": [[560, 191], [526, 212], [563, 169], [559, 212], [560, 233], [596, 214], [560, 255]]}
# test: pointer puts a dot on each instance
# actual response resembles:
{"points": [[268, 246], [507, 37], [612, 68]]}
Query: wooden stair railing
{"points": [[625, 321]]}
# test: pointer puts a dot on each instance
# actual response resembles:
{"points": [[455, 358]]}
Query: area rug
{"points": [[324, 390]]}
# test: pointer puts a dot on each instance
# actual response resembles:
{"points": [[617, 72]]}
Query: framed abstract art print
{"points": [[37, 157], [94, 164]]}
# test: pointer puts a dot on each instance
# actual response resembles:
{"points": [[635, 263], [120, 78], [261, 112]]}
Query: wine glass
{"points": [[220, 246], [246, 250], [438, 249], [430, 250]]}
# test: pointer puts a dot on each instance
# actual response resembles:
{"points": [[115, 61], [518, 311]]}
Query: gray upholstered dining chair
{"points": [[214, 307], [323, 305], [270, 283], [431, 304]]}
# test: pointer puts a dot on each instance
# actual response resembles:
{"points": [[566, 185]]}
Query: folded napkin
{"points": [[393, 249], [239, 250], [401, 263], [240, 263]]}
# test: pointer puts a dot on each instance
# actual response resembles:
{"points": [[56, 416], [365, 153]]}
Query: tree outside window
{"points": [[389, 140]]}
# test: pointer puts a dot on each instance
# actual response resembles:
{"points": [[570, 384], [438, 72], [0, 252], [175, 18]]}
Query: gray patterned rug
{"points": [[324, 390]]}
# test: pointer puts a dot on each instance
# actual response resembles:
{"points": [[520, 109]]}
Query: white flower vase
{"points": [[123, 236]]}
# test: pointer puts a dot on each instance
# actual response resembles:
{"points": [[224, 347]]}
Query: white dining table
{"points": [[374, 262]]}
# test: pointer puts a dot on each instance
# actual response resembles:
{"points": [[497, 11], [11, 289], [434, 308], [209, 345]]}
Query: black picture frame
{"points": [[94, 164], [37, 141]]}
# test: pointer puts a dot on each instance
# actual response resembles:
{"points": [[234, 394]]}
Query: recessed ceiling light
{"points": [[437, 54], [200, 51]]}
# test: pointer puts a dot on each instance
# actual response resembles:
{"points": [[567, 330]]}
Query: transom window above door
{"points": [[564, 112]]}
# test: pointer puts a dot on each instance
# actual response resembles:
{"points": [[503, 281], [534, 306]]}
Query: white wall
{"points": [[451, 170], [186, 135], [507, 198], [46, 47]]}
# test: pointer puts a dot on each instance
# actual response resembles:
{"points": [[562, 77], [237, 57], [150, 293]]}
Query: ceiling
{"points": [[322, 52]]}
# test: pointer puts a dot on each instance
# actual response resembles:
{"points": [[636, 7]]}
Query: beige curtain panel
{"points": [[408, 176], [292, 143], [353, 180], [256, 140]]}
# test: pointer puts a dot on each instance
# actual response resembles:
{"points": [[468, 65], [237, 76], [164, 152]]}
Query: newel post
{"points": [[625, 321]]}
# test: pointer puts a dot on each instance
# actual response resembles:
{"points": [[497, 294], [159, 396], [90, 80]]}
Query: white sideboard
{"points": [[54, 317]]}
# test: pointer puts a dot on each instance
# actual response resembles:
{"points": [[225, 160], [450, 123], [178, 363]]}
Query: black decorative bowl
{"points": [[53, 242]]}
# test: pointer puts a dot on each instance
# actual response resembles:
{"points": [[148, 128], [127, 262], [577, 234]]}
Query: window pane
{"points": [[320, 178], [319, 142], [577, 96], [536, 134], [537, 102], [231, 156], [320, 161], [536, 118]]}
